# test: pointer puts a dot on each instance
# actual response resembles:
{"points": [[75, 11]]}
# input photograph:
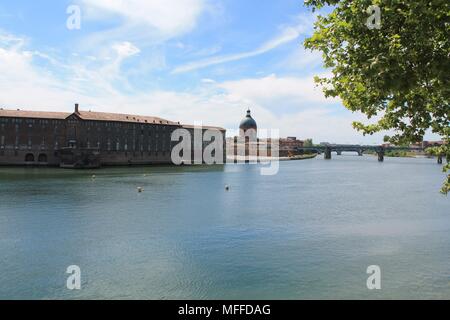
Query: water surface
{"points": [[308, 232]]}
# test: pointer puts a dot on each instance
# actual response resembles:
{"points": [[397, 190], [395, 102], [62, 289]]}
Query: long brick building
{"points": [[86, 139]]}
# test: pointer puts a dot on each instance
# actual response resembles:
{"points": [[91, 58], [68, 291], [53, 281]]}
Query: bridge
{"points": [[359, 149]]}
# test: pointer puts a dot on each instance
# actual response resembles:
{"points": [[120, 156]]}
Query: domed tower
{"points": [[248, 126]]}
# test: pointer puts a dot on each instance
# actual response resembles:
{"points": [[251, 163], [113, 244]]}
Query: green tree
{"points": [[397, 72], [308, 143]]}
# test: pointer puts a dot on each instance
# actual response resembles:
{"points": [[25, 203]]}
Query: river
{"points": [[309, 231]]}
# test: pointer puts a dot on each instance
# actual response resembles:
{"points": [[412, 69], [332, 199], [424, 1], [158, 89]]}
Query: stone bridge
{"points": [[359, 149]]}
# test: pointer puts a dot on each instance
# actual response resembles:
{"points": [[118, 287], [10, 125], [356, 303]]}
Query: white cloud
{"points": [[9, 40], [272, 90], [21, 84], [303, 60], [209, 81], [166, 17], [25, 85], [126, 49]]}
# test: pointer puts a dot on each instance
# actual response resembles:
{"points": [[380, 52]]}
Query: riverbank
{"points": [[268, 159], [398, 154], [300, 157]]}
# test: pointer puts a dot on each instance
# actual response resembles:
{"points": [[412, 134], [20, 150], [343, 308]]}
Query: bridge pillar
{"points": [[360, 152], [339, 153], [327, 153], [439, 159], [380, 153]]}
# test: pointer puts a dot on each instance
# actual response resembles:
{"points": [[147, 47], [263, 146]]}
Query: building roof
{"points": [[189, 126], [33, 114], [95, 116], [85, 115], [248, 122], [119, 117]]}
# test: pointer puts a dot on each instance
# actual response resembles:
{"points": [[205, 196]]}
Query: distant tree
{"points": [[391, 60], [308, 143]]}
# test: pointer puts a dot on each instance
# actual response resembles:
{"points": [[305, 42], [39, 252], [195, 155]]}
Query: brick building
{"points": [[85, 138]]}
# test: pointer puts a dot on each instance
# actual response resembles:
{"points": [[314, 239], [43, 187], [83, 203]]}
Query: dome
{"points": [[248, 122]]}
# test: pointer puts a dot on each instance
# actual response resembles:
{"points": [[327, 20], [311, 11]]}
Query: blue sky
{"points": [[185, 60]]}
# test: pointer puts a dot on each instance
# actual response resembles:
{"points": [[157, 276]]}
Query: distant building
{"points": [[248, 127], [85, 138], [290, 144], [428, 144], [249, 145], [418, 145]]}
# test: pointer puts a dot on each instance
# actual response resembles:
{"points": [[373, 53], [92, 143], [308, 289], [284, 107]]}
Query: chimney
{"points": [[76, 108]]}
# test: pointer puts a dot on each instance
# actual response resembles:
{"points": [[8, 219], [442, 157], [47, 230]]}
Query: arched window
{"points": [[42, 158], [29, 157]]}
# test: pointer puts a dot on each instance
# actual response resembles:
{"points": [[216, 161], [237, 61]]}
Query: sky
{"points": [[184, 60]]}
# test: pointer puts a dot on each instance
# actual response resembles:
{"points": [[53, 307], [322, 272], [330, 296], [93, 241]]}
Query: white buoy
{"points": [[93, 177], [140, 189], [227, 188]]}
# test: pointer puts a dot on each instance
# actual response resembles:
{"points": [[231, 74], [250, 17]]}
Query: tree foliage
{"points": [[397, 74], [308, 143]]}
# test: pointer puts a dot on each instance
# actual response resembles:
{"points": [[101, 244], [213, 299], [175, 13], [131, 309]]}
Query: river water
{"points": [[310, 231]]}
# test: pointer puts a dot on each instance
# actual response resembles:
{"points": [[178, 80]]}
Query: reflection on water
{"points": [[308, 232]]}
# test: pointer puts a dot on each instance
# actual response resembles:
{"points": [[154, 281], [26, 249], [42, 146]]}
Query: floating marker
{"points": [[140, 189], [227, 188]]}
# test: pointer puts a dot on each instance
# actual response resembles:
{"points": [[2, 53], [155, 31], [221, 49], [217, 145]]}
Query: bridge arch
{"points": [[42, 158], [29, 157]]}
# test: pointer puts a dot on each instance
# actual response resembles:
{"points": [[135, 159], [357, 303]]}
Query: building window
{"points": [[29, 157], [42, 158]]}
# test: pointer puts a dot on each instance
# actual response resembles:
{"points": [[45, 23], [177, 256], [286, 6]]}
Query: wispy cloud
{"points": [[287, 34]]}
